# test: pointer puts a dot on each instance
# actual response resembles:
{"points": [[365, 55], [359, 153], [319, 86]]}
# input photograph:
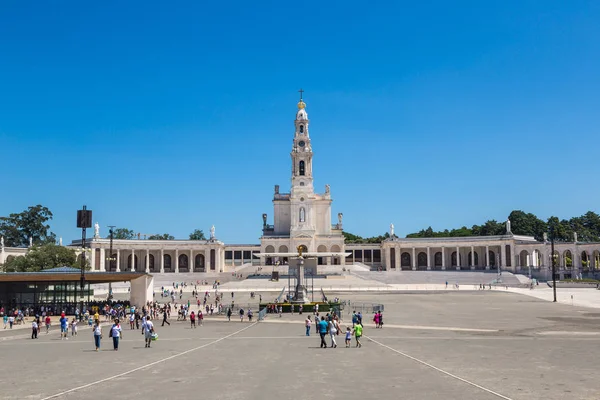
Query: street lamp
{"points": [[110, 258], [553, 261], [84, 220]]}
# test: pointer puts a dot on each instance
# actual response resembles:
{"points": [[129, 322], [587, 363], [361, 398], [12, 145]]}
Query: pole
{"points": [[553, 263], [110, 259], [82, 279]]}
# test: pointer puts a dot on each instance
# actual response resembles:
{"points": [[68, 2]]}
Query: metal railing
{"points": [[262, 314]]}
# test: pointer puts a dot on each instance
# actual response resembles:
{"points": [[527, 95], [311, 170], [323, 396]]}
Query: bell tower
{"points": [[302, 177]]}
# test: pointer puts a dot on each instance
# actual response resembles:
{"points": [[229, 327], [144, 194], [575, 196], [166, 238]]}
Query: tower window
{"points": [[301, 128], [301, 167]]}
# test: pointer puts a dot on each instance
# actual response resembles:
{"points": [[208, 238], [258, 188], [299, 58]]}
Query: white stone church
{"points": [[303, 218]]}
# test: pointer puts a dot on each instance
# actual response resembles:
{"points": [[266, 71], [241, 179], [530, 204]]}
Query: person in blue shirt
{"points": [[63, 327], [323, 326]]}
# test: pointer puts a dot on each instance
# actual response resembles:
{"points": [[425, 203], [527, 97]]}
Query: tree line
{"points": [[587, 227]]}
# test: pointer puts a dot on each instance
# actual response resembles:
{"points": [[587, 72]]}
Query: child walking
{"points": [[74, 327], [348, 336]]}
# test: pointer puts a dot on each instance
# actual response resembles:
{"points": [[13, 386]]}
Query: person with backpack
{"points": [[241, 315], [148, 329], [250, 315]]}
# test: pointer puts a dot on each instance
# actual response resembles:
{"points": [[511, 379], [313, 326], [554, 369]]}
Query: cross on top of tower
{"points": [[300, 91]]}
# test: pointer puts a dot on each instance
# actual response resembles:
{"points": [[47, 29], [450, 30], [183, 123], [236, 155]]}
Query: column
{"points": [[191, 261], [414, 259], [92, 259], [207, 259], [176, 261], [147, 260], [443, 258], [399, 259], [220, 256], [472, 257], [162, 261], [102, 259], [118, 260], [487, 258], [132, 260], [457, 258], [389, 259], [428, 259]]}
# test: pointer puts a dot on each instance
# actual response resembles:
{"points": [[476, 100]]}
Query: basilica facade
{"points": [[302, 219]]}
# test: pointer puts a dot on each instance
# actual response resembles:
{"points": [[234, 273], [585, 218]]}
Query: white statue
{"points": [[302, 214], [2, 243], [212, 232], [392, 230], [327, 189], [340, 216], [545, 237], [575, 237], [60, 241], [508, 231], [96, 231], [30, 241]]}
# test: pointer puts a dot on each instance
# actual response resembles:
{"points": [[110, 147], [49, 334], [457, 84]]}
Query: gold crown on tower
{"points": [[301, 104]]}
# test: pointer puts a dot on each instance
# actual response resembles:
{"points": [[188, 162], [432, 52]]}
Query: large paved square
{"points": [[456, 345]]}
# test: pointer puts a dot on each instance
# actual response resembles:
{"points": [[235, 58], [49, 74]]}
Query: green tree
{"points": [[164, 236], [31, 223], [123, 233], [44, 257], [197, 235], [527, 224]]}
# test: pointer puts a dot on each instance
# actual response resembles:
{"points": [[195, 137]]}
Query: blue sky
{"points": [[165, 118]]}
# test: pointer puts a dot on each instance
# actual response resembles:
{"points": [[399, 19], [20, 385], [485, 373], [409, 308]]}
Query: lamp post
{"points": [[553, 261], [110, 258], [84, 220]]}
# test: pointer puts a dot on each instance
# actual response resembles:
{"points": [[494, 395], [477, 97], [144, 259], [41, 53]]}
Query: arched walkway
{"points": [[437, 259], [321, 260], [585, 261], [336, 249], [422, 261], [492, 258], [167, 263], [269, 260], [183, 263], [405, 260], [199, 263], [283, 249], [568, 259], [524, 258]]}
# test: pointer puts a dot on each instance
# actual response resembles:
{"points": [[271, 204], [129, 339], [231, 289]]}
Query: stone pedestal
{"points": [[300, 292]]}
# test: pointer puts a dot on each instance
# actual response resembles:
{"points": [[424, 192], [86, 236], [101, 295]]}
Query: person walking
{"points": [[241, 315], [148, 329], [34, 329], [47, 321], [348, 336], [74, 327], [229, 314], [333, 329], [380, 320], [358, 331], [63, 327], [11, 321], [307, 324], [323, 331], [192, 320], [116, 333], [5, 320], [250, 314], [200, 318], [97, 330], [165, 318]]}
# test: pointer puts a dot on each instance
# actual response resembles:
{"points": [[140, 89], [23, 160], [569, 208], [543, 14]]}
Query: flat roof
{"points": [[91, 277]]}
